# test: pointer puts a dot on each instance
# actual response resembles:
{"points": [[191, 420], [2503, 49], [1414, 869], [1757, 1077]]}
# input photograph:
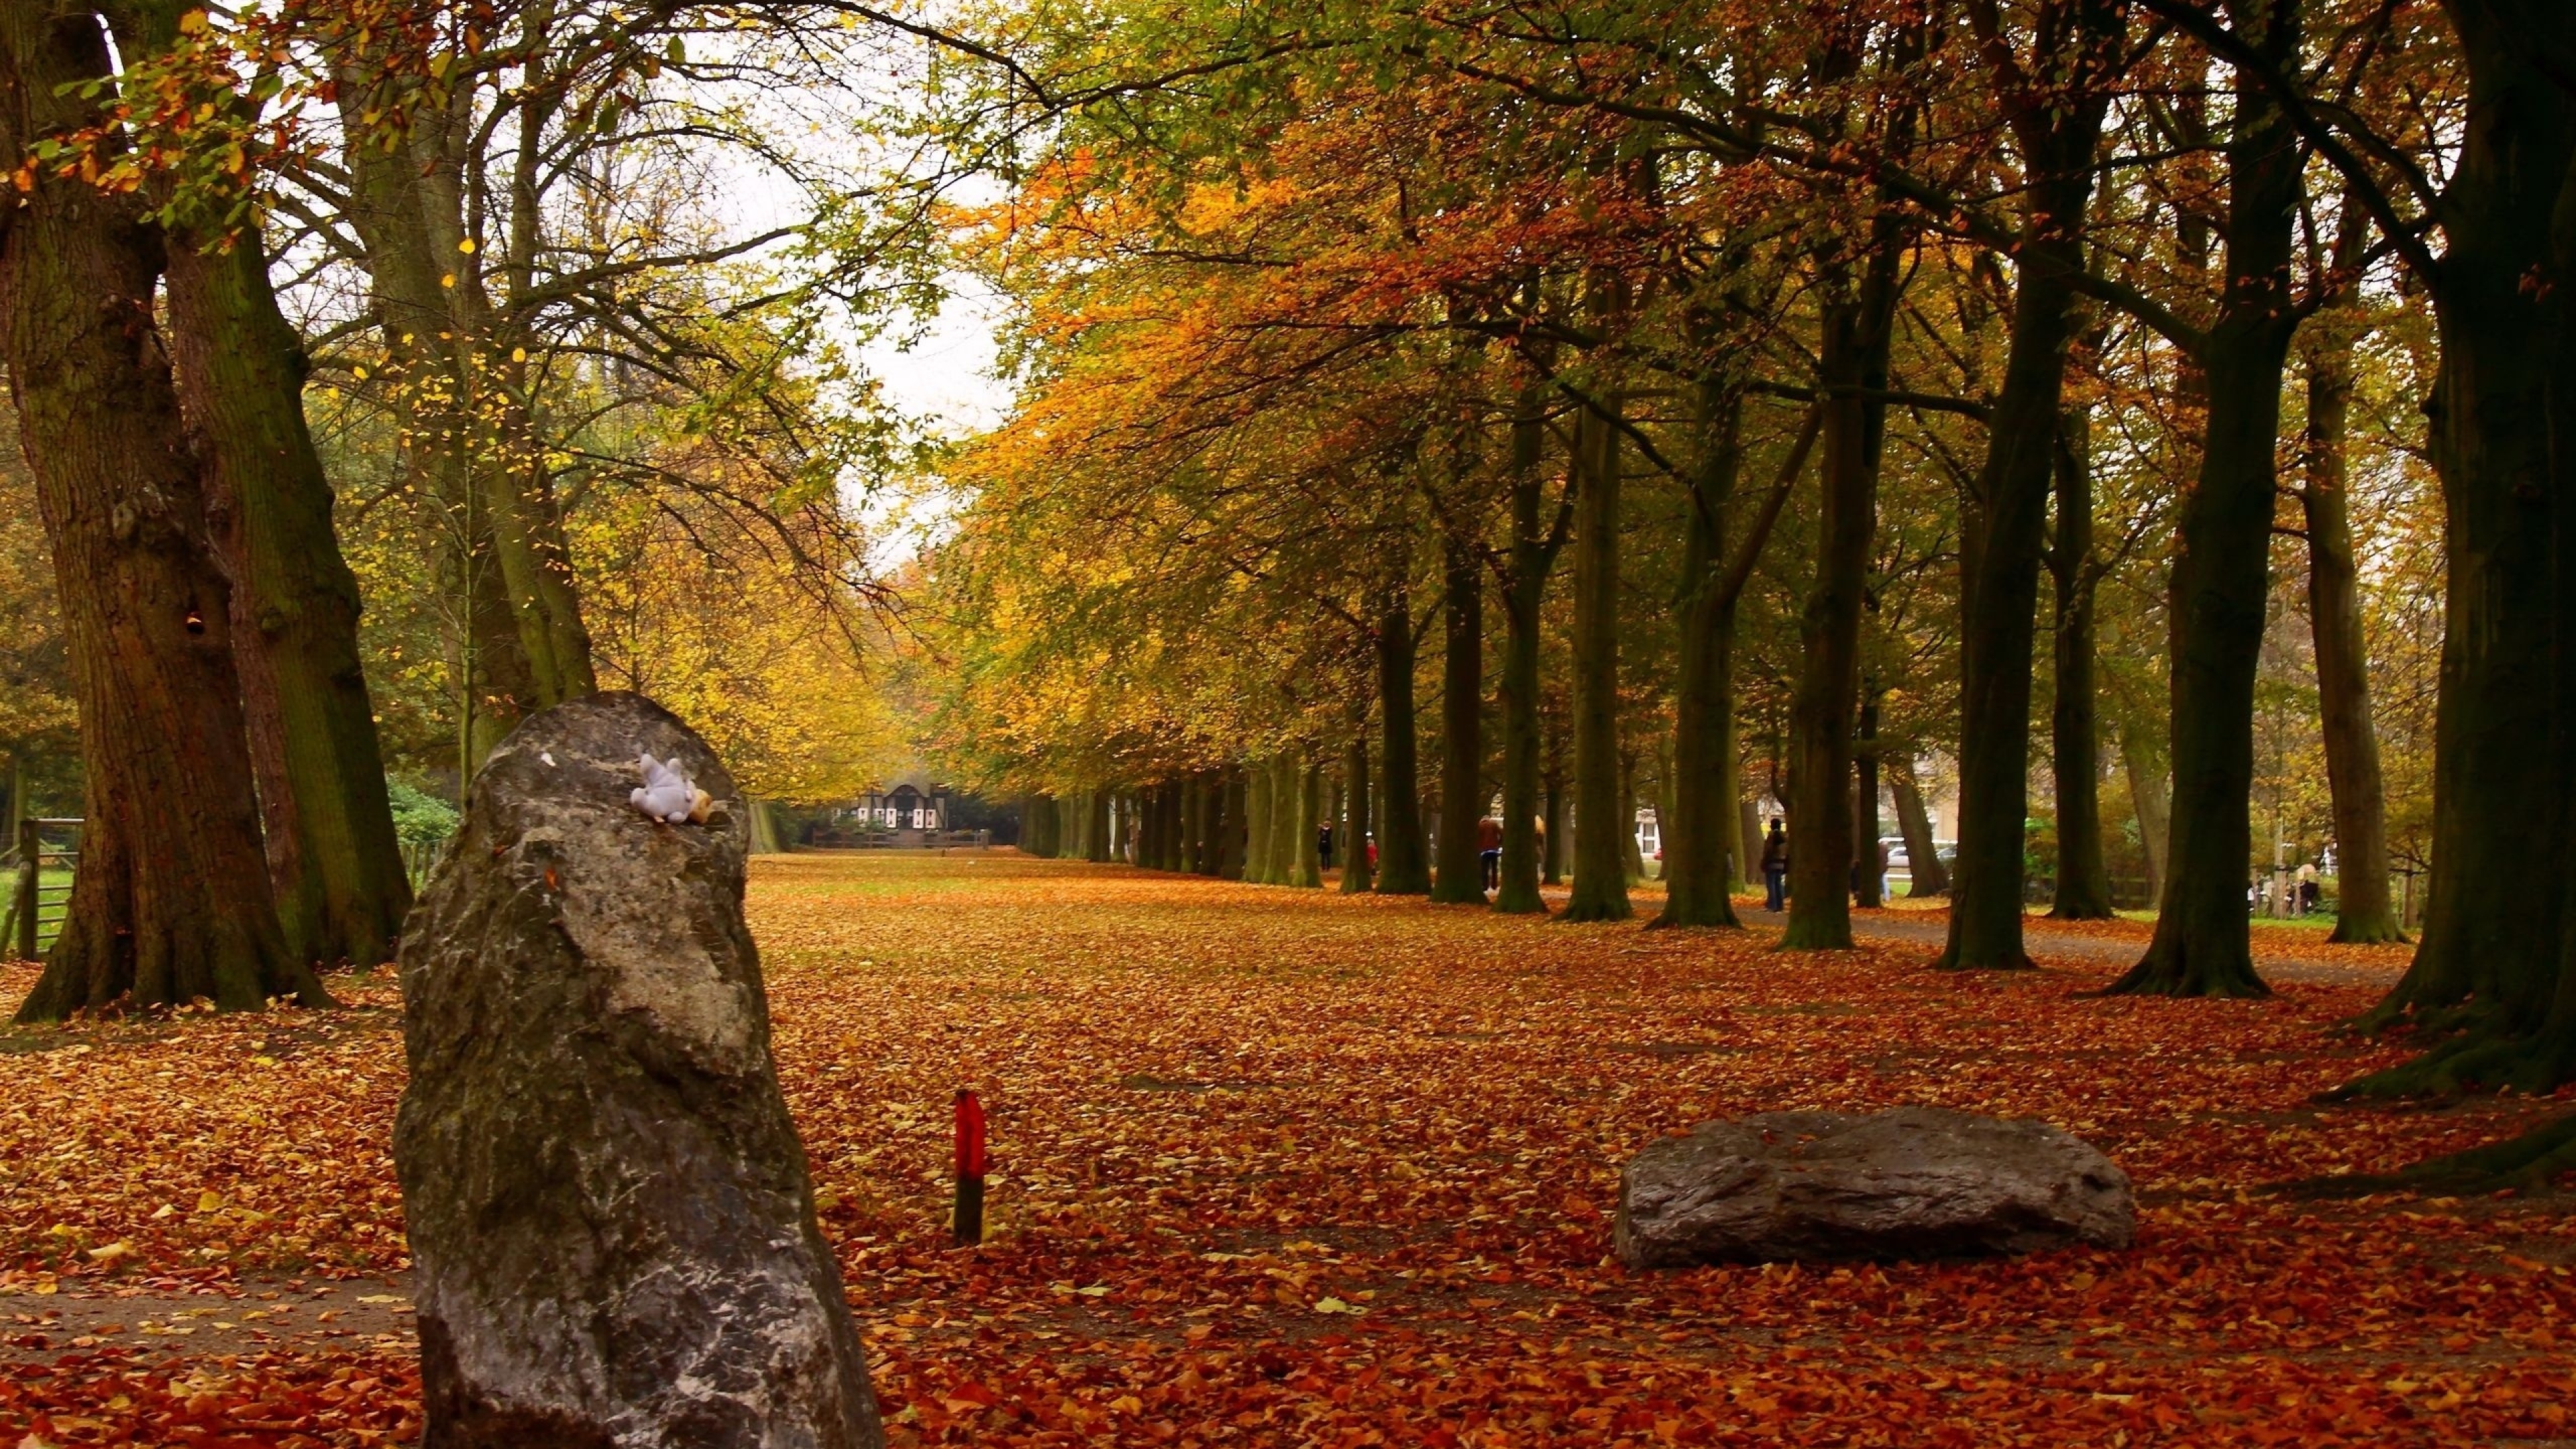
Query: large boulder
{"points": [[1915, 1182], [611, 1226]]}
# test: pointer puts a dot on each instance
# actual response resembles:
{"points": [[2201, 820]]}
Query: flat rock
{"points": [[1914, 1182], [610, 1220]]}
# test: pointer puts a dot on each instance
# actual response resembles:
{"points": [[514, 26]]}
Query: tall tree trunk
{"points": [[1309, 869], [172, 902], [2075, 757], [2495, 950], [1258, 803], [1403, 864], [1461, 878], [2222, 561], [2150, 800], [1533, 555], [295, 610], [1699, 837], [1095, 829], [1632, 854], [1555, 827], [1600, 867], [2061, 137], [1853, 364], [2363, 911], [1748, 830], [458, 387], [1865, 879], [1350, 840], [1231, 829], [336, 864], [1925, 873]]}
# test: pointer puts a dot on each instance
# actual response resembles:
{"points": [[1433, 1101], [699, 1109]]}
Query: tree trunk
{"points": [[2363, 911], [335, 864], [172, 902], [2149, 798], [1748, 827], [2222, 562], [1854, 362], [456, 383], [1258, 835], [1632, 854], [1600, 866], [1926, 875], [1309, 869], [2075, 755], [1701, 849], [1351, 838], [1461, 878], [1865, 857], [1403, 864], [1553, 828], [1231, 829], [2495, 951], [1095, 830], [1533, 554]]}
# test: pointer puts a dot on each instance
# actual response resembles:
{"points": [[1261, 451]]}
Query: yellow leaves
{"points": [[448, 280], [466, 246]]}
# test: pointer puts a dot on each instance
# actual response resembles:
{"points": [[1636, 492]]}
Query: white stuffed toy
{"points": [[667, 795]]}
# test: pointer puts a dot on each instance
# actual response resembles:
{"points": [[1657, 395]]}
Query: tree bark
{"points": [[1865, 831], [2059, 135], [1552, 835], [1533, 555], [1925, 873], [2222, 559], [1600, 867], [1852, 366], [1095, 827], [1308, 871], [333, 851], [1403, 864], [2075, 754], [456, 383], [2493, 953], [1351, 837], [2363, 910], [172, 902], [1230, 825], [1701, 830], [1461, 878]]}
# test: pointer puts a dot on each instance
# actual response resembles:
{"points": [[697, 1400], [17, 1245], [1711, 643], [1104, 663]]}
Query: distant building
{"points": [[906, 812]]}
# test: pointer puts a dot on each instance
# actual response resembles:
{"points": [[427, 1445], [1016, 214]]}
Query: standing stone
{"points": [[1914, 1182], [611, 1225]]}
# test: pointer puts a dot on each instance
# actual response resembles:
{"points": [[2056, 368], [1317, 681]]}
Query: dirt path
{"points": [[155, 1321]]}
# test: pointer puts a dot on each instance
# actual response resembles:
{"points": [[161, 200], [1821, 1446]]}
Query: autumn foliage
{"points": [[1278, 1168]]}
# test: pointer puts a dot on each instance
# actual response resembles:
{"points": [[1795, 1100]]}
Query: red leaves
{"points": [[1284, 1168]]}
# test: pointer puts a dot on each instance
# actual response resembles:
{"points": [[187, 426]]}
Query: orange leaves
{"points": [[1280, 1168]]}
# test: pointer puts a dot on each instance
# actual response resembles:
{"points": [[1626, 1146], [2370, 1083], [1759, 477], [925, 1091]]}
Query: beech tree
{"points": [[172, 902]]}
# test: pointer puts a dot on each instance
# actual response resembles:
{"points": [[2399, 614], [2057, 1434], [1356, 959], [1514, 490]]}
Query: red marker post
{"points": [[970, 1169]]}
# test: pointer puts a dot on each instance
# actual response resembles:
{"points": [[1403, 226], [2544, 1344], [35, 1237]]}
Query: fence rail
{"points": [[38, 905]]}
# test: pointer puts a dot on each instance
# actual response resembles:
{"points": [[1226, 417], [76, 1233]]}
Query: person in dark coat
{"points": [[1775, 867]]}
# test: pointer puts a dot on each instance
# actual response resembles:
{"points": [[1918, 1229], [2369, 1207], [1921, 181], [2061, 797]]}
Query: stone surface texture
{"points": [[1913, 1182], [609, 1213]]}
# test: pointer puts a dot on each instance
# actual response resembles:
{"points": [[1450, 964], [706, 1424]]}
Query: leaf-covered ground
{"points": [[1286, 1168]]}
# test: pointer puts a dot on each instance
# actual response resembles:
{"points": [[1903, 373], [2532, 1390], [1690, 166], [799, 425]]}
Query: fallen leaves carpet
{"points": [[1284, 1168]]}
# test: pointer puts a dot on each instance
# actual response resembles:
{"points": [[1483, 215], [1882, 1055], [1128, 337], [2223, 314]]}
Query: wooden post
{"points": [[28, 875], [969, 1220]]}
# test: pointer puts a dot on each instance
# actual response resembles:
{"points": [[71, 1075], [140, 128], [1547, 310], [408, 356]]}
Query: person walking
{"points": [[1489, 850], [1775, 867]]}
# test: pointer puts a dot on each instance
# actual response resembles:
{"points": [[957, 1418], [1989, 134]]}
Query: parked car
{"points": [[1897, 860]]}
